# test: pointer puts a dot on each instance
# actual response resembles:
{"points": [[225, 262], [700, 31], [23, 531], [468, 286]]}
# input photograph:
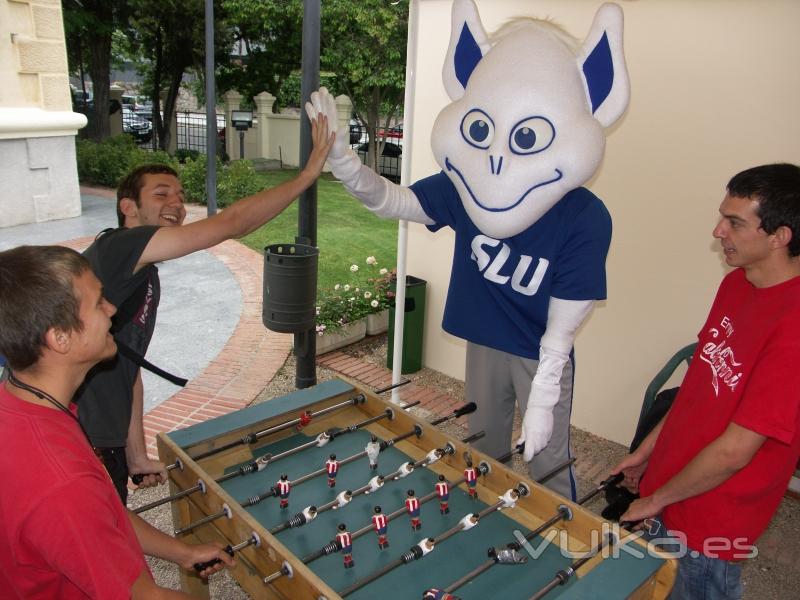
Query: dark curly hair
{"points": [[776, 188], [131, 185]]}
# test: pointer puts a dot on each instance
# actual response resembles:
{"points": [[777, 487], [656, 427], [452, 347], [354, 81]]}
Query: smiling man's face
{"points": [[160, 202]]}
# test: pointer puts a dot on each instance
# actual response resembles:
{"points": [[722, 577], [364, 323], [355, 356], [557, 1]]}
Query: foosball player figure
{"points": [[332, 466], [471, 477], [443, 491], [437, 594], [379, 521], [373, 449], [284, 487], [346, 542], [412, 506], [305, 419]]}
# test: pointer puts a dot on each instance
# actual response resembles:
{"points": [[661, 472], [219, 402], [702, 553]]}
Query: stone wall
{"points": [[37, 125]]}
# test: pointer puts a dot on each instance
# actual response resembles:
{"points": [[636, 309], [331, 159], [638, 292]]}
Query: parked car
{"points": [[358, 131], [136, 125], [395, 132], [389, 162]]}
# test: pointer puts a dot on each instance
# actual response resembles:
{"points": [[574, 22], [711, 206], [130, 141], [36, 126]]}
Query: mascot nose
{"points": [[495, 164]]}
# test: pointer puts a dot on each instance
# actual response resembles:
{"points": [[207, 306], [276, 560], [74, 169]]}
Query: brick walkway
{"points": [[375, 377]]}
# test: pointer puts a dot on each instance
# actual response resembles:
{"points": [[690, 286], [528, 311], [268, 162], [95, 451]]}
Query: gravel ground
{"points": [[773, 575]]}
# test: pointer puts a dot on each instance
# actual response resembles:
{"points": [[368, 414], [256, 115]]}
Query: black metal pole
{"points": [[305, 343], [211, 114]]}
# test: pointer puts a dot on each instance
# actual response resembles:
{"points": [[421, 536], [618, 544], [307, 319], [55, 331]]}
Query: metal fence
{"points": [[189, 135]]}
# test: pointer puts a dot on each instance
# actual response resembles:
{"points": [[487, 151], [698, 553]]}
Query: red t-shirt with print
{"points": [[746, 370]]}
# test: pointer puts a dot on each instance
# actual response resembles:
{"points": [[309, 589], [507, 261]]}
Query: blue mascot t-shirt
{"points": [[500, 289]]}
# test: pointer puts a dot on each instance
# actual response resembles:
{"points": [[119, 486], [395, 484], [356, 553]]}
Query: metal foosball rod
{"points": [[274, 492], [373, 485], [249, 467], [334, 546], [601, 487], [322, 439], [200, 487], [393, 386], [562, 576], [137, 479], [427, 545], [253, 540], [468, 408], [495, 556], [303, 419]]}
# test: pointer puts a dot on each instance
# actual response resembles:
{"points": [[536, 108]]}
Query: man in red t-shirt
{"points": [[716, 467], [65, 534]]}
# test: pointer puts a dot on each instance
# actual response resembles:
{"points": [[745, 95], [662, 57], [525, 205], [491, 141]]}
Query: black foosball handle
{"points": [[139, 477], [202, 566]]}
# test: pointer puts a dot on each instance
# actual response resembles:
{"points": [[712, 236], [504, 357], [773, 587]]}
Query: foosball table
{"points": [[332, 492]]}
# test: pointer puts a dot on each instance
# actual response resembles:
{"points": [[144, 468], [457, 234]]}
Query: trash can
{"points": [[290, 287], [413, 326]]}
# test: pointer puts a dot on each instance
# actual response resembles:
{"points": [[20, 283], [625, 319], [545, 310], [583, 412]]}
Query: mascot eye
{"points": [[531, 135], [477, 129]]}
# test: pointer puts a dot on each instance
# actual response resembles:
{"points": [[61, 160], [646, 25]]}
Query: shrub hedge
{"points": [[105, 163]]}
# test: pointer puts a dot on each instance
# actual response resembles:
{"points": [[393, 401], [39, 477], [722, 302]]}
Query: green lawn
{"points": [[347, 233]]}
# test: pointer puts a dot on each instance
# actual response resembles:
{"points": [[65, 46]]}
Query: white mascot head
{"points": [[526, 122]]}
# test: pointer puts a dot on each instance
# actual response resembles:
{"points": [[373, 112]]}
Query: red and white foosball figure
{"points": [[471, 477], [346, 542], [443, 491], [332, 466], [380, 524], [284, 487], [412, 506]]}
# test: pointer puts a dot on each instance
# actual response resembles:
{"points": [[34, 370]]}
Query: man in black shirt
{"points": [[150, 211]]}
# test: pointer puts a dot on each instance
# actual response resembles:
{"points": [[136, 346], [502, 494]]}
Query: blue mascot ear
{"points": [[468, 45], [602, 64]]}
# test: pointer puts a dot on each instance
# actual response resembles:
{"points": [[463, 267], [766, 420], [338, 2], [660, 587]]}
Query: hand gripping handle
{"points": [[202, 566]]}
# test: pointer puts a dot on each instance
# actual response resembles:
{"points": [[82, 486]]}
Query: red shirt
{"points": [[379, 521], [746, 370], [65, 532]]}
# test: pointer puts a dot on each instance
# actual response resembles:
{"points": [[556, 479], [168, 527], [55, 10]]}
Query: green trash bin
{"points": [[413, 326]]}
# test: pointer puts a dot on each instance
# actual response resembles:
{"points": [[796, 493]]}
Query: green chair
{"points": [[684, 354]]}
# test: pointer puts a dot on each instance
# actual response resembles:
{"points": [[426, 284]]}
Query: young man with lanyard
{"points": [[717, 466], [65, 535], [150, 212]]}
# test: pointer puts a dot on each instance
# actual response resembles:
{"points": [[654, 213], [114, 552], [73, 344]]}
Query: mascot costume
{"points": [[524, 131]]}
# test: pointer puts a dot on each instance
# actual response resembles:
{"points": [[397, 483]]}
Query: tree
{"points": [[170, 36], [268, 32], [364, 43], [88, 26]]}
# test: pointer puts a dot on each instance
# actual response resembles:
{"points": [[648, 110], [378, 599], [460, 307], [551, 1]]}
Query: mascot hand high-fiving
{"points": [[523, 133]]}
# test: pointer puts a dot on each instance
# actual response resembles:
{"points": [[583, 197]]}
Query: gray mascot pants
{"points": [[497, 381]]}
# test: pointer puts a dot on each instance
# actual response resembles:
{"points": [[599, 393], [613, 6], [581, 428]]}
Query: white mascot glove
{"points": [[324, 103], [379, 195], [563, 319], [537, 426]]}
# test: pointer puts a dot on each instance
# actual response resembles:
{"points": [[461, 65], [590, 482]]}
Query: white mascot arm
{"points": [[382, 197], [563, 319]]}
